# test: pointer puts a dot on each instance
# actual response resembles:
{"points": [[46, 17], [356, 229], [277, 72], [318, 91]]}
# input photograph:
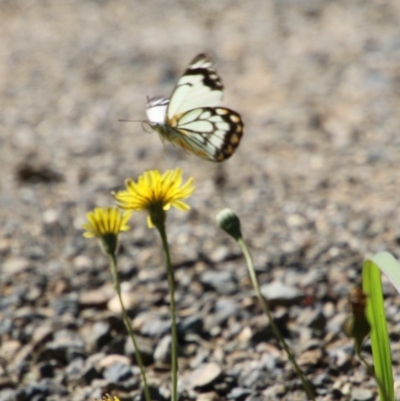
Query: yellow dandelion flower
{"points": [[103, 221], [105, 224], [108, 397], [155, 193]]}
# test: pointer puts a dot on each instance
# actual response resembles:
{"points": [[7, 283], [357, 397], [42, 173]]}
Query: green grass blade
{"points": [[390, 266], [376, 315]]}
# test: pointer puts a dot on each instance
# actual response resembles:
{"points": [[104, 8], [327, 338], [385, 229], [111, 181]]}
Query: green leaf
{"points": [[390, 266], [372, 286]]}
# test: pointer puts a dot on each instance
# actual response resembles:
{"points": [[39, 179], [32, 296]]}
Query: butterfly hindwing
{"points": [[212, 133], [192, 118]]}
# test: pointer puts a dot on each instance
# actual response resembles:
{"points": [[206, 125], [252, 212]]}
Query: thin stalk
{"points": [[171, 285], [371, 372], [128, 324], [266, 310]]}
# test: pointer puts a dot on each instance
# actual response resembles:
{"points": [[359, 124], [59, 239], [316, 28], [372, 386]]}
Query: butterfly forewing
{"points": [[199, 86]]}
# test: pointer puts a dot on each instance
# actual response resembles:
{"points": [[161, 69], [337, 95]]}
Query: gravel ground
{"points": [[315, 182]]}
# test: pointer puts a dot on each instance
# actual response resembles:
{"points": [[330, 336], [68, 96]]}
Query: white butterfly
{"points": [[192, 118]]}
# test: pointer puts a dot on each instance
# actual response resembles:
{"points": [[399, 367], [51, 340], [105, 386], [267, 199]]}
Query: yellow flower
{"points": [[106, 224], [108, 397], [103, 221], [155, 193]]}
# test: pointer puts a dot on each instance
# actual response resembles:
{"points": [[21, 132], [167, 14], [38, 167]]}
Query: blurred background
{"points": [[317, 83], [315, 179]]}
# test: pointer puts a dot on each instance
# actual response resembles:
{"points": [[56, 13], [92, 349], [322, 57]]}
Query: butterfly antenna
{"points": [[133, 121]]}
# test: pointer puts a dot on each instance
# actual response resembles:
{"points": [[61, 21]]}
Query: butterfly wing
{"points": [[212, 133], [157, 109], [199, 86]]}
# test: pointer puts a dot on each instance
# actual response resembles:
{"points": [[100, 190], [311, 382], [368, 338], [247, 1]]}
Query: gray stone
{"points": [[277, 293], [156, 327], [313, 318], [15, 265], [8, 394], [118, 372], [146, 348], [222, 282], [224, 309], [98, 336], [162, 352], [204, 376], [362, 394], [191, 324], [238, 394]]}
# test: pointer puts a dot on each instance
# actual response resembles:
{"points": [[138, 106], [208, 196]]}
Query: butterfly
{"points": [[192, 118]]}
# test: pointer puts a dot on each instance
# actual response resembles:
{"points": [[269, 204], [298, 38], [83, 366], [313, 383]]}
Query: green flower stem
{"points": [[171, 284], [128, 324], [266, 310], [371, 372]]}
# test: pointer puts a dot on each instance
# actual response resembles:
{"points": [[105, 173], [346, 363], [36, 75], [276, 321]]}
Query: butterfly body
{"points": [[192, 117]]}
